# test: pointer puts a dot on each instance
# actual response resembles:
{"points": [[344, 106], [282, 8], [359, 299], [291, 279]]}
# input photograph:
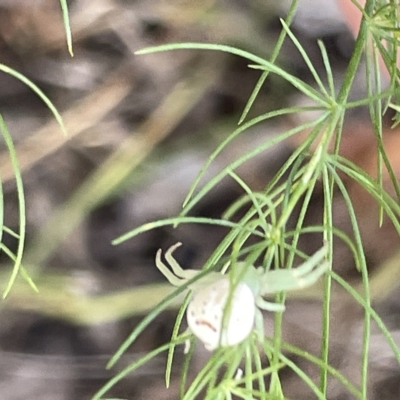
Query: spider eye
{"points": [[205, 314]]}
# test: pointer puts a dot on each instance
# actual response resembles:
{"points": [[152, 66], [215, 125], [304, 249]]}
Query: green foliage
{"points": [[258, 221], [269, 211]]}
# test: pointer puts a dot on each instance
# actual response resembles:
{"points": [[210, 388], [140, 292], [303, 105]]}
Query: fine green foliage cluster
{"points": [[258, 222], [268, 212]]}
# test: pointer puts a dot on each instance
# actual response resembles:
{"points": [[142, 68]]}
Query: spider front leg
{"points": [[307, 268], [179, 276], [297, 278]]}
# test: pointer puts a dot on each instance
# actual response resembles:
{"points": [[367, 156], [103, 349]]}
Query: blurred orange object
{"points": [[353, 18], [351, 13]]}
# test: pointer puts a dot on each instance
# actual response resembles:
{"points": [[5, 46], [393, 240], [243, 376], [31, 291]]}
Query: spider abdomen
{"points": [[205, 314]]}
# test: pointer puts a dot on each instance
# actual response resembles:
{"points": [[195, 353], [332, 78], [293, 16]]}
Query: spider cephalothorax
{"points": [[222, 312]]}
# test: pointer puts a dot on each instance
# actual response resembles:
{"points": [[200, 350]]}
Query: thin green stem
{"points": [[289, 19], [356, 56], [328, 236]]}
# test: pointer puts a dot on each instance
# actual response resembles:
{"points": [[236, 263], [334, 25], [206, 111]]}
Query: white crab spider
{"points": [[207, 308]]}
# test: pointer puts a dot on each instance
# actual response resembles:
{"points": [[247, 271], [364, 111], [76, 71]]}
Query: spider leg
{"points": [[188, 344], [314, 260], [269, 306], [174, 280], [259, 321], [239, 374], [297, 278], [181, 273], [225, 267], [188, 341], [309, 278]]}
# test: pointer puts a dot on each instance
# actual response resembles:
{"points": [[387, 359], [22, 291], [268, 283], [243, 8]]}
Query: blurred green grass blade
{"points": [[22, 269], [38, 91], [21, 205], [67, 25]]}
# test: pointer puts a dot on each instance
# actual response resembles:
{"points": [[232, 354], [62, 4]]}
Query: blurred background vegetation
{"points": [[139, 130]]}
